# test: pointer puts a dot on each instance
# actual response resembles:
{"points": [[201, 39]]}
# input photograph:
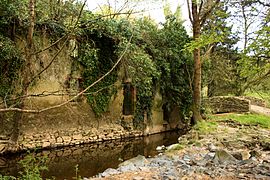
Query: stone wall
{"points": [[226, 104], [73, 137], [255, 101]]}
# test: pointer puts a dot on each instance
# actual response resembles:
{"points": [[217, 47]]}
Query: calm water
{"points": [[92, 158]]}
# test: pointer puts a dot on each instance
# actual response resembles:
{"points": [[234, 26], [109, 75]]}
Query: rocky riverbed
{"points": [[228, 151]]}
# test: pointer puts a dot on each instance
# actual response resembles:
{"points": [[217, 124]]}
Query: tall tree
{"points": [[25, 74], [199, 11], [252, 26]]}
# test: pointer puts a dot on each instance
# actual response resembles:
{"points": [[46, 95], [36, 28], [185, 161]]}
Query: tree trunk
{"points": [[26, 74], [197, 67]]}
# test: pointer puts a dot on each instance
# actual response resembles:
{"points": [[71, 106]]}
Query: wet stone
{"points": [[109, 171], [129, 167], [137, 178]]}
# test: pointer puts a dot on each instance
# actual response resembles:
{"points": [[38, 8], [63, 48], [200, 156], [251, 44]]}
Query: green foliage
{"points": [[7, 177], [254, 64], [11, 62], [97, 57], [77, 177], [219, 55], [32, 167], [11, 11], [154, 60], [175, 65]]}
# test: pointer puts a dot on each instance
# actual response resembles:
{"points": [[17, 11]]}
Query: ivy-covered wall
{"points": [[148, 90]]}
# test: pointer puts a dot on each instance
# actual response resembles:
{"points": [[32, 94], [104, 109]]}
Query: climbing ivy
{"points": [[153, 60], [175, 65], [10, 63], [97, 57]]}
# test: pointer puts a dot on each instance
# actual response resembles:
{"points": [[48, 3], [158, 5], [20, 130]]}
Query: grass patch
{"points": [[204, 127], [248, 119]]}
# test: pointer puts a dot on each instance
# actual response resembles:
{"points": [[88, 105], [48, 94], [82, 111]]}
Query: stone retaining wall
{"points": [[72, 137], [226, 104]]}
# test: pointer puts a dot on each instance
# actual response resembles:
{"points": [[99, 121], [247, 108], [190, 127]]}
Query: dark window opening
{"points": [[166, 112], [129, 99]]}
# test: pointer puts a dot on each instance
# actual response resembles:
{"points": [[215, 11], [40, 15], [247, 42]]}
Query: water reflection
{"points": [[94, 158]]}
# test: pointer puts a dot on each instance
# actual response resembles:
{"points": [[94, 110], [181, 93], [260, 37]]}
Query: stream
{"points": [[91, 159]]}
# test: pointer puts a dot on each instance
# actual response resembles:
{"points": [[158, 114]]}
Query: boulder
{"points": [[223, 157], [137, 161], [109, 172], [174, 147]]}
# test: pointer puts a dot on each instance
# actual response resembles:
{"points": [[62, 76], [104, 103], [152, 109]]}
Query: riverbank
{"points": [[212, 150], [90, 159]]}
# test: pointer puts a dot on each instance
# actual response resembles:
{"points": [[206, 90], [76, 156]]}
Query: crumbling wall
{"points": [[226, 104]]}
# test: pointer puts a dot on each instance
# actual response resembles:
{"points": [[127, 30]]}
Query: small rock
{"points": [[168, 177], [2, 147], [209, 156], [59, 140], [155, 177], [138, 178], [186, 158], [245, 155], [180, 162], [161, 148], [185, 166], [46, 144], [212, 147], [77, 136], [3, 162]]}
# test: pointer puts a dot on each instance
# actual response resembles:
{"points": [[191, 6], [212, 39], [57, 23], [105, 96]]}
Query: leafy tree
{"points": [[199, 11], [220, 57], [251, 67]]}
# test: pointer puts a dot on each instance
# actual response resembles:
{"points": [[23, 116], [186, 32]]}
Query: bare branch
{"points": [[263, 3], [200, 8], [257, 80], [48, 47], [189, 12]]}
